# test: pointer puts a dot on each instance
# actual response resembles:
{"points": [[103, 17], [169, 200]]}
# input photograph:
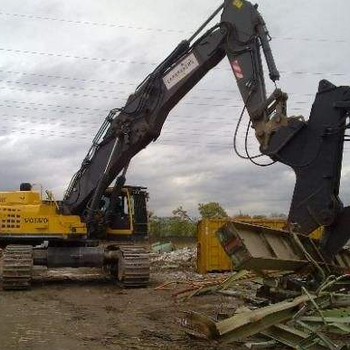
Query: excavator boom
{"points": [[128, 130]]}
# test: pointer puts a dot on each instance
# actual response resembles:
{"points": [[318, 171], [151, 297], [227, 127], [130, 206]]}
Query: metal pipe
{"points": [[206, 22]]}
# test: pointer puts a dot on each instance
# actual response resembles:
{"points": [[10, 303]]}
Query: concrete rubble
{"points": [[159, 247], [180, 259]]}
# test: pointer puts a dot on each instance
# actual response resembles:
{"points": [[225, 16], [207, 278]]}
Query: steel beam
{"points": [[260, 248], [297, 339], [253, 322]]}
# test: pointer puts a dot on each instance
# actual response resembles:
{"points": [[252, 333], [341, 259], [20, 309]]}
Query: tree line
{"points": [[180, 224]]}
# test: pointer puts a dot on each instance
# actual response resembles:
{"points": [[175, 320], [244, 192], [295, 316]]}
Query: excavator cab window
{"points": [[139, 199], [121, 213], [130, 211]]}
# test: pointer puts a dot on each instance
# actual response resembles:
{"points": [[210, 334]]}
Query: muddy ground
{"points": [[85, 310]]}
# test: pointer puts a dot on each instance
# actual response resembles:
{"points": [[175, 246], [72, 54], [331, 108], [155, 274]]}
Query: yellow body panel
{"points": [[210, 255], [24, 213], [317, 234], [119, 232]]}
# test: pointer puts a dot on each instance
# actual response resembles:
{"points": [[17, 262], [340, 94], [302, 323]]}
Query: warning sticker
{"points": [[237, 69], [237, 3], [181, 71]]}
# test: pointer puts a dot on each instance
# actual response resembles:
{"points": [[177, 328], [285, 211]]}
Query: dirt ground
{"points": [[84, 310]]}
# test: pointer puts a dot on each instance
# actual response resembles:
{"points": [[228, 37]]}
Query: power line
{"points": [[172, 118], [75, 136], [52, 121], [60, 86], [99, 59], [48, 110], [57, 106], [217, 134], [319, 40], [94, 81], [149, 29], [124, 98], [107, 97], [61, 55], [66, 78], [47, 86], [87, 125], [92, 125], [213, 98], [44, 132], [128, 92], [313, 73], [79, 136], [90, 23], [192, 119], [73, 94]]}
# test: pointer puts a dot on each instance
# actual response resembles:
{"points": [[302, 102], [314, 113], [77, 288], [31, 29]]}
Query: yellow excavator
{"points": [[68, 233], [35, 232]]}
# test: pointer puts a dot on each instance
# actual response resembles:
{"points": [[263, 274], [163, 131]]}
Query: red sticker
{"points": [[237, 69]]}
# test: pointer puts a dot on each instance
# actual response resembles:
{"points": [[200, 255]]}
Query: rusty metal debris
{"points": [[212, 286], [226, 285]]}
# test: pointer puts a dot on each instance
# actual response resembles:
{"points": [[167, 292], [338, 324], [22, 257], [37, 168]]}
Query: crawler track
{"points": [[17, 267], [133, 266]]}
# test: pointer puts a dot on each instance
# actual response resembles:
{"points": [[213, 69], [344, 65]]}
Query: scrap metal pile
{"points": [[310, 321], [291, 295]]}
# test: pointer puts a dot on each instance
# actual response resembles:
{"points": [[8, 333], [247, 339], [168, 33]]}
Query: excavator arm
{"points": [[313, 149], [128, 130]]}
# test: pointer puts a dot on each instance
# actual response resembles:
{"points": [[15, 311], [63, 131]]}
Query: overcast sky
{"points": [[65, 64]]}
